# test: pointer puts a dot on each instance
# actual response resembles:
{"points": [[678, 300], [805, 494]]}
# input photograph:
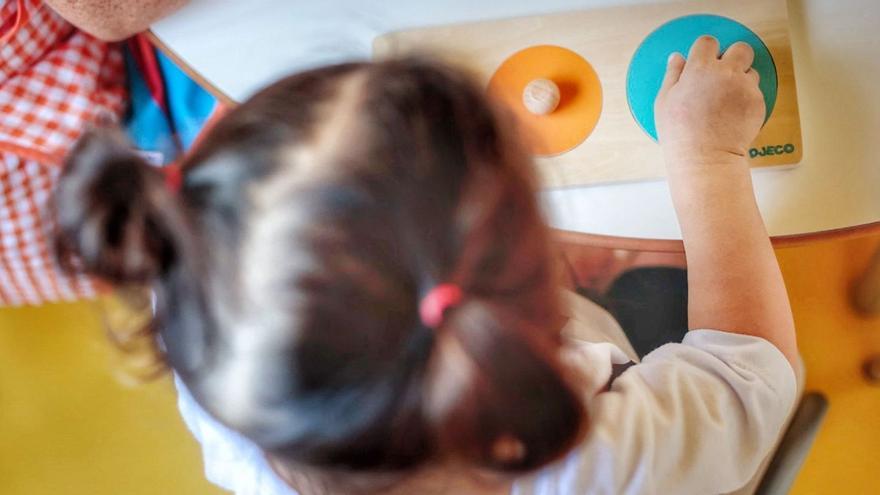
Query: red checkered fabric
{"points": [[54, 81]]}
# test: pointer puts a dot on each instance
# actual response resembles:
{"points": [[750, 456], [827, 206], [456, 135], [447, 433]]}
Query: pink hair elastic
{"points": [[436, 302]]}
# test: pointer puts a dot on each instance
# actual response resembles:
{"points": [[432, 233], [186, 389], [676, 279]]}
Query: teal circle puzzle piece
{"points": [[648, 65]]}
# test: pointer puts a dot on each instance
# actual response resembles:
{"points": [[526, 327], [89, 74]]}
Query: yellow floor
{"points": [[68, 427]]}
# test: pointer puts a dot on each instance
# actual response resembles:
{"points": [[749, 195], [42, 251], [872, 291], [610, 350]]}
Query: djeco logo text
{"points": [[779, 149]]}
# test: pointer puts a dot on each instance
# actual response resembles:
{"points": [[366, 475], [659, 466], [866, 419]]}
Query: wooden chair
{"points": [[591, 268]]}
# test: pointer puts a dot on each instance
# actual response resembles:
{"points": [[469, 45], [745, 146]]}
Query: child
{"points": [[353, 278]]}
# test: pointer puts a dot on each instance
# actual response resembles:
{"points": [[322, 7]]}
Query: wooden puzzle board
{"points": [[618, 149]]}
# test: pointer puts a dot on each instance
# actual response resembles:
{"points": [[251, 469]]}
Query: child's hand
{"points": [[709, 109]]}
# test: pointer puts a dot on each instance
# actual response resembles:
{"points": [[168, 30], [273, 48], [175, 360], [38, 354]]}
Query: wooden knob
{"points": [[541, 96], [871, 368]]}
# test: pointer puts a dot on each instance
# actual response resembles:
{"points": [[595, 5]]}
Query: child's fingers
{"points": [[739, 56], [704, 50], [754, 75], [674, 67]]}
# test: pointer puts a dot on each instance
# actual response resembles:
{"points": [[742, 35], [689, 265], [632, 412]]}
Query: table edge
{"points": [[677, 246], [210, 87]]}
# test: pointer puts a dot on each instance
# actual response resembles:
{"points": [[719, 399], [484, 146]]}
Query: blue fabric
{"points": [[189, 104], [162, 134], [146, 123]]}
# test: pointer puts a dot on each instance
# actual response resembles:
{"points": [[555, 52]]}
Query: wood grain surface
{"points": [[617, 150]]}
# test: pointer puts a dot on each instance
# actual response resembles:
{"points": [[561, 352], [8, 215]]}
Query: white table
{"points": [[239, 46]]}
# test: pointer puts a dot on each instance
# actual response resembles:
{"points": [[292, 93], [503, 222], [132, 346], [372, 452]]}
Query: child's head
{"points": [[290, 266]]}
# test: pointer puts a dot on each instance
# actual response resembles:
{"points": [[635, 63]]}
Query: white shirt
{"points": [[691, 418]]}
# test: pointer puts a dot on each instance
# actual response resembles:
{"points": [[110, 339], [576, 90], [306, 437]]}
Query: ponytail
{"points": [[115, 218], [514, 409]]}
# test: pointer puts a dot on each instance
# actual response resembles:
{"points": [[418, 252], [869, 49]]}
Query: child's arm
{"points": [[114, 20], [708, 112]]}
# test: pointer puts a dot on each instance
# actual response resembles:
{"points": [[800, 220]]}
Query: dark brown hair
{"points": [[289, 268]]}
